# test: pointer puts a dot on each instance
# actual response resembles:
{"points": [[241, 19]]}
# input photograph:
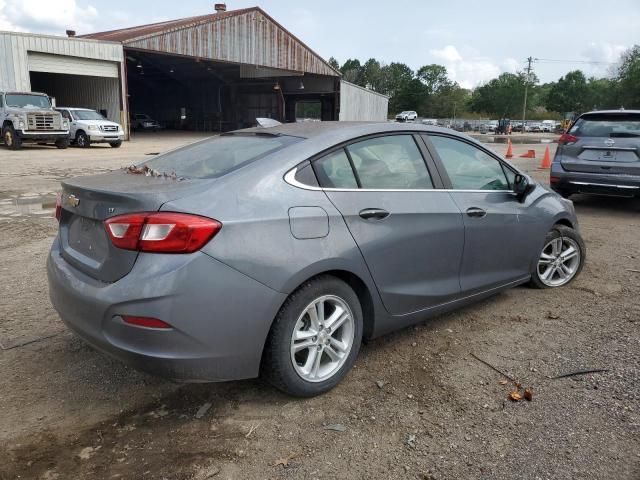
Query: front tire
{"points": [[314, 339], [82, 140], [11, 139], [116, 144], [560, 260]]}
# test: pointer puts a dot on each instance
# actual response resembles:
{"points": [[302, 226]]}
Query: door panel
{"points": [[414, 252], [497, 226]]}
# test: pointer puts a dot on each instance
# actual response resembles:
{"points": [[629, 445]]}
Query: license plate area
{"points": [[87, 236]]}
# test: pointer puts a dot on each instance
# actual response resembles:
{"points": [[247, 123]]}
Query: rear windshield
{"points": [[217, 156], [607, 125]]}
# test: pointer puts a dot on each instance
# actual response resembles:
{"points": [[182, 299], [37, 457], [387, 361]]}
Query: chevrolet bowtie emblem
{"points": [[73, 201]]}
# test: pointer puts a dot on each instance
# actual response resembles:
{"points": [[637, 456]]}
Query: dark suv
{"points": [[599, 154]]}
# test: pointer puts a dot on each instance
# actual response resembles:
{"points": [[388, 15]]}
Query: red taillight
{"points": [[567, 139], [146, 322], [161, 232], [553, 179], [58, 206]]}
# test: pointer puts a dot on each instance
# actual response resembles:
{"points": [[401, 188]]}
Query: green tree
{"points": [[601, 93], [569, 93], [396, 80], [434, 77], [334, 63], [628, 78], [372, 74], [352, 71], [502, 96]]}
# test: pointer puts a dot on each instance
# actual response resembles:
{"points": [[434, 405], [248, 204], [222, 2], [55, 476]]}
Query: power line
{"points": [[589, 62]]}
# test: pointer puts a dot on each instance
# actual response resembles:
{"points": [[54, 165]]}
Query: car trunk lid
{"points": [[606, 143], [88, 201]]}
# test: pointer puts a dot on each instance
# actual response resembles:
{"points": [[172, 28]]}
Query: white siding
{"points": [[360, 104], [45, 62]]}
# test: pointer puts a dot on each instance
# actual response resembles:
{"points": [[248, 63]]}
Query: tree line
{"points": [[431, 92]]}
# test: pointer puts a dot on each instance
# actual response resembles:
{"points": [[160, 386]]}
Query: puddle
{"points": [[35, 205], [514, 139]]}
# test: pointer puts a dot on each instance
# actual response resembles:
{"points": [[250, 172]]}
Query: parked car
{"points": [[600, 154], [489, 127], [142, 121], [548, 125], [30, 117], [406, 116], [275, 251], [89, 126], [429, 121]]}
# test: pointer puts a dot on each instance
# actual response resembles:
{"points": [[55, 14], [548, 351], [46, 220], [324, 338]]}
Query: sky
{"points": [[475, 40]]}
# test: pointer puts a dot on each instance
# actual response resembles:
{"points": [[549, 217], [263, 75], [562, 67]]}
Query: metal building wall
{"points": [[251, 38], [14, 63], [360, 104]]}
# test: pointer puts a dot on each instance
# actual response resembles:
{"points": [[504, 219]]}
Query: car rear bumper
{"points": [[566, 182], [220, 317]]}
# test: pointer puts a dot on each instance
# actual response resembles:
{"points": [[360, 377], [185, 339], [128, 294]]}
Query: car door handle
{"points": [[476, 212], [373, 214]]}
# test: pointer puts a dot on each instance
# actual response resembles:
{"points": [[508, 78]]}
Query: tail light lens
{"points": [[58, 206], [553, 179], [567, 139], [161, 232]]}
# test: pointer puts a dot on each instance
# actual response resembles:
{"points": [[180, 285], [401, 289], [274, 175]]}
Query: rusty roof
{"points": [[125, 35]]}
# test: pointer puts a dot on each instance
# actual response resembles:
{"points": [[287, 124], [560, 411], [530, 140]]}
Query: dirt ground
{"points": [[417, 405]]}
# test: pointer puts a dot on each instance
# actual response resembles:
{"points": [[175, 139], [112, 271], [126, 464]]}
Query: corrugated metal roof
{"points": [[125, 35], [246, 36]]}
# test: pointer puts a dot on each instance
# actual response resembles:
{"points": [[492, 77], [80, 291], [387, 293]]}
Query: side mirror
{"points": [[522, 186]]}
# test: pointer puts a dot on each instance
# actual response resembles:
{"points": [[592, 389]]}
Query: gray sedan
{"points": [[275, 251]]}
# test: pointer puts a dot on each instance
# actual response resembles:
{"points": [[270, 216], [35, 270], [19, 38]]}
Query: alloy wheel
{"points": [[559, 261], [322, 338]]}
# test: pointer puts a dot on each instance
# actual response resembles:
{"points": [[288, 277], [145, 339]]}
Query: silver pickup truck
{"points": [[30, 117]]}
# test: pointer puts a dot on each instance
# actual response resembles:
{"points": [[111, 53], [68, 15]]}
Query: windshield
{"points": [[217, 156], [87, 115], [607, 125], [27, 101]]}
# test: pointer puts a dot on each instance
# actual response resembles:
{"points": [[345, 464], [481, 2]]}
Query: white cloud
{"points": [[470, 71], [46, 16]]}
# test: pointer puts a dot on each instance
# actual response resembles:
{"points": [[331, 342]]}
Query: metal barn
{"points": [[214, 72]]}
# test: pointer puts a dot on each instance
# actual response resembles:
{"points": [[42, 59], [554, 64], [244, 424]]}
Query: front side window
{"points": [[334, 171], [468, 167], [390, 162]]}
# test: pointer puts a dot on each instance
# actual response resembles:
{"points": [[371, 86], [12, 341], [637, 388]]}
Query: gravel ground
{"points": [[417, 405]]}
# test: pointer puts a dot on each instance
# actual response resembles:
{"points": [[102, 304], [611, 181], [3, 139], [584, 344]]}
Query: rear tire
{"points": [[10, 138], [561, 259], [82, 140], [116, 144], [304, 356], [62, 143]]}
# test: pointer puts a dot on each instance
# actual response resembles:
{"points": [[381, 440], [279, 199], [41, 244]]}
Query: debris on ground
{"points": [[284, 461], [515, 396], [580, 372], [380, 383], [336, 427], [208, 472], [252, 429], [553, 316], [202, 411]]}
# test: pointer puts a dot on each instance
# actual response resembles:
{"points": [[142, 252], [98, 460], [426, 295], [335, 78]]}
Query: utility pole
{"points": [[526, 86]]}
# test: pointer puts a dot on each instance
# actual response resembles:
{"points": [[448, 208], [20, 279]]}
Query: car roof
{"points": [[76, 108], [610, 112], [310, 130]]}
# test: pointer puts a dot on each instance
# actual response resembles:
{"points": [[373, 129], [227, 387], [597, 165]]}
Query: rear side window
{"points": [[607, 125], [334, 171], [217, 156], [390, 162], [468, 167]]}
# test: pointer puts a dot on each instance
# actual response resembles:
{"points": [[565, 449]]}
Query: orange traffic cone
{"points": [[529, 154], [509, 150], [546, 160]]}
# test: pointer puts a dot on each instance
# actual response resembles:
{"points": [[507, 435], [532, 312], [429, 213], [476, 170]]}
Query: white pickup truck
{"points": [[30, 117], [89, 126]]}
